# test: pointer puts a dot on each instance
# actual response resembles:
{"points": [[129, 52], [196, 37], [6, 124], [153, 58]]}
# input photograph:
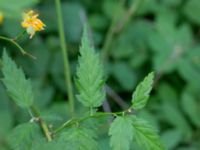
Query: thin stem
{"points": [[116, 97], [65, 56], [63, 126], [97, 115], [19, 36], [108, 39], [128, 15], [42, 124], [106, 106], [111, 31], [17, 45], [117, 26]]}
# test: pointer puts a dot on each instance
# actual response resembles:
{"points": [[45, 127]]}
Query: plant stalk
{"points": [[96, 115], [117, 26], [67, 71], [42, 123], [17, 45]]}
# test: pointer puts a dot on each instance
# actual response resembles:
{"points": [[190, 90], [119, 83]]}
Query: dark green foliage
{"points": [[161, 36]]}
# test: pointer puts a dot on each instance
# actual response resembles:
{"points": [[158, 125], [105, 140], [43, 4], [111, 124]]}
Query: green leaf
{"points": [[54, 145], [6, 113], [79, 139], [121, 132], [18, 7], [126, 77], [173, 42], [72, 20], [145, 135], [113, 9], [190, 107], [178, 120], [168, 94], [22, 136], [191, 69], [141, 94], [192, 10], [18, 87], [90, 77], [171, 143]]}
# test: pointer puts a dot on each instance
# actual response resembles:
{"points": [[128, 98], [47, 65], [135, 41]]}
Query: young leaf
{"points": [[79, 139], [145, 135], [141, 94], [90, 77], [18, 87], [23, 135], [121, 132]]}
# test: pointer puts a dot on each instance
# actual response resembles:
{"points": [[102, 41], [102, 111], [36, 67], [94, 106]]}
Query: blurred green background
{"points": [[146, 35]]}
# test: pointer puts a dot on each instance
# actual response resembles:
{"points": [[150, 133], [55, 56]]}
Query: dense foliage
{"points": [[125, 40]]}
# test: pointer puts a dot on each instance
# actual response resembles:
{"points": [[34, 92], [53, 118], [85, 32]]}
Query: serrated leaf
{"points": [[145, 135], [90, 77], [121, 132], [22, 136], [141, 94], [79, 139], [18, 87]]}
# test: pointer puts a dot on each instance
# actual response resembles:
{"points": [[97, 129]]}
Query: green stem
{"points": [[97, 115], [108, 39], [128, 15], [65, 56], [42, 124], [19, 36], [17, 45], [117, 26]]}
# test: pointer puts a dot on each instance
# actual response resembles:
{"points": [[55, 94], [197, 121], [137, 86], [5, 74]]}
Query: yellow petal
{"points": [[1, 17]]}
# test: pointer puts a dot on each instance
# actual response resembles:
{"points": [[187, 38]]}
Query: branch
{"points": [[43, 124], [18, 46]]}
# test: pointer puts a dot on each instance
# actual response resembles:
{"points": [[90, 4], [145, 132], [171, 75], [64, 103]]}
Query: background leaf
{"points": [[192, 9], [9, 9]]}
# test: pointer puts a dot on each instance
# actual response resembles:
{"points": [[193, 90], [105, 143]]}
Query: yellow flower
{"points": [[31, 23], [1, 17]]}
